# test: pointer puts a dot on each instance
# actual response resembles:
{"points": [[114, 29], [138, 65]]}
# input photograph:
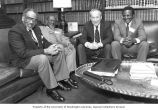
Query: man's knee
{"points": [[80, 47], [81, 54], [115, 44], [107, 47], [43, 58], [144, 44]]}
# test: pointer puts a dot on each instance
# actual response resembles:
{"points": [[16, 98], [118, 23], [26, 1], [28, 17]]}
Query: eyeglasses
{"points": [[127, 16], [31, 19]]}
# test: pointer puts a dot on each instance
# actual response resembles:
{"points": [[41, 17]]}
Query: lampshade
{"points": [[62, 4]]}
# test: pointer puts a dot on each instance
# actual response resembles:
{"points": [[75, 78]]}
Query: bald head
{"points": [[95, 16], [95, 12], [51, 21]]}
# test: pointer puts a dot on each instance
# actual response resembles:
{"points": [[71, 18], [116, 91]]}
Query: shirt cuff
{"points": [[121, 41], [86, 44], [137, 40]]}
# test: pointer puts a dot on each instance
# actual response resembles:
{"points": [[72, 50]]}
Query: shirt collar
{"points": [[128, 24], [95, 26], [28, 29]]}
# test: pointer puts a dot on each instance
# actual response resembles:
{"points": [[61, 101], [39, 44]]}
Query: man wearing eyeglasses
{"points": [[30, 50], [129, 37]]}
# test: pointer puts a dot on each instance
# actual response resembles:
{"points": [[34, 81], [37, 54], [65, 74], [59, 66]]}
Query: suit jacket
{"points": [[51, 37], [23, 47], [136, 30], [105, 33]]}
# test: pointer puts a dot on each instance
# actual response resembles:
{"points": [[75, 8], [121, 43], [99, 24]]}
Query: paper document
{"points": [[142, 70]]}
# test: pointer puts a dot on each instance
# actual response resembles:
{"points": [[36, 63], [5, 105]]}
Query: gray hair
{"points": [[93, 10], [27, 10]]}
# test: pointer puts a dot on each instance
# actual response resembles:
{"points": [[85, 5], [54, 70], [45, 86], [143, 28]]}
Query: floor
{"points": [[85, 94]]}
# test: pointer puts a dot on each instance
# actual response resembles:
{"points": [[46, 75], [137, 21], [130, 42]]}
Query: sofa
{"points": [[151, 29], [15, 83]]}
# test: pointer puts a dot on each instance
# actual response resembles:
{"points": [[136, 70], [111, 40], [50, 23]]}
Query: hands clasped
{"points": [[70, 46], [53, 49], [94, 45], [128, 42]]}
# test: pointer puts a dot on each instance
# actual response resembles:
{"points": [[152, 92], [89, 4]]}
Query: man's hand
{"points": [[133, 40], [52, 50], [100, 44], [88, 45], [94, 46], [60, 47], [70, 46], [128, 42]]}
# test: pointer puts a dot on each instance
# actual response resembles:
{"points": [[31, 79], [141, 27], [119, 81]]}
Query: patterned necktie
{"points": [[127, 29], [97, 34]]}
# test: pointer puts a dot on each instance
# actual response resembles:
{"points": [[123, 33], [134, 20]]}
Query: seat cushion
{"points": [[7, 74], [154, 60], [13, 87]]}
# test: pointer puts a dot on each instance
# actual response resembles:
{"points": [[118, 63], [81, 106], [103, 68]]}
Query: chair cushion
{"points": [[13, 87], [7, 74], [154, 60]]}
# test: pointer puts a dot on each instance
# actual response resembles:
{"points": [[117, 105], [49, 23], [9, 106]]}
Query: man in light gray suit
{"points": [[129, 36]]}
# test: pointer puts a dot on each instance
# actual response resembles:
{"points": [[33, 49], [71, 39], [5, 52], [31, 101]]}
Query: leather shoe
{"points": [[63, 87], [55, 95], [73, 81], [72, 85]]}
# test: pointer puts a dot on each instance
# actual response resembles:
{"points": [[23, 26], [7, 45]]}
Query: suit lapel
{"points": [[133, 25], [123, 28], [92, 30], [28, 36], [26, 33], [102, 27], [38, 35], [133, 28]]}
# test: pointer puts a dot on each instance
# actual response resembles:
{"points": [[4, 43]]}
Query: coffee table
{"points": [[121, 82]]}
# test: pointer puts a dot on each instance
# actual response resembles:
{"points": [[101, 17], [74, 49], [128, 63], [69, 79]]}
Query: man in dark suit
{"points": [[30, 50], [96, 38], [129, 37]]}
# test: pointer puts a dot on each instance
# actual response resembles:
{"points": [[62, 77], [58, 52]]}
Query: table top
{"points": [[121, 82]]}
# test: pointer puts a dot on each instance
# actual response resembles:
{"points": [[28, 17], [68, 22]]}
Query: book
{"points": [[142, 70], [106, 65], [109, 74], [103, 79]]}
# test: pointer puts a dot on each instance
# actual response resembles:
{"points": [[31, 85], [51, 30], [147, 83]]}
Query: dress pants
{"points": [[141, 50], [70, 58], [41, 63], [85, 53]]}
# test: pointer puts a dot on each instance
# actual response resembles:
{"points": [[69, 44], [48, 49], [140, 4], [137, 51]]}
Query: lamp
{"points": [[61, 16]]}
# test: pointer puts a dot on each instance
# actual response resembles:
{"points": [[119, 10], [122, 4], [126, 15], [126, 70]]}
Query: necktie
{"points": [[97, 34], [35, 40], [127, 29]]}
